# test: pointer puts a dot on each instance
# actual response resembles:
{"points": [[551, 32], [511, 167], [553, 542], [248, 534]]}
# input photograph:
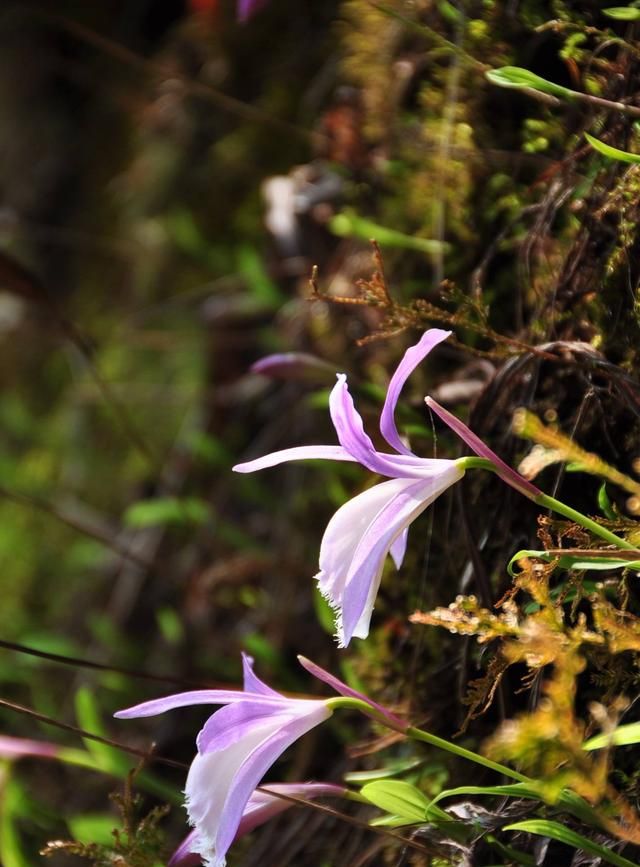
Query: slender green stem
{"points": [[471, 463], [548, 502], [394, 723], [568, 800], [557, 506], [434, 740]]}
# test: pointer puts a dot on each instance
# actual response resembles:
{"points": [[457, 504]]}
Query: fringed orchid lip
{"points": [[263, 805]]}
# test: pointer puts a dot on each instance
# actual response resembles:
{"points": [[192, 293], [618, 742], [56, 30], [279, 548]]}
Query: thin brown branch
{"points": [[89, 530], [76, 662]]}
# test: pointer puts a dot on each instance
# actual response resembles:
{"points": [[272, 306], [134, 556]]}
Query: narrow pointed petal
{"points": [[248, 8], [506, 473], [298, 453], [352, 437], [185, 699], [361, 587], [412, 358], [342, 689], [348, 423], [399, 548], [294, 366], [252, 682]]}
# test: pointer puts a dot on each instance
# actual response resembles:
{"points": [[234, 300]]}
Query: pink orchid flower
{"points": [[239, 743], [375, 523]]}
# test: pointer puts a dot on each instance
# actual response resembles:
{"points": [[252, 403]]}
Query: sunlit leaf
{"points": [[611, 152], [556, 831], [619, 737], [350, 225], [13, 806], [513, 790], [605, 503], [89, 718], [581, 562], [515, 76], [391, 770], [92, 828], [398, 798], [623, 13]]}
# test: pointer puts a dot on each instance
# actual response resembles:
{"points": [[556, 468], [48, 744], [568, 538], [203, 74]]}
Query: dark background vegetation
{"points": [[143, 269]]}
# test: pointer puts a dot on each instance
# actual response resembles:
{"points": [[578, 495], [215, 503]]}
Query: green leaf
{"points": [[513, 790], [389, 821], [167, 510], [556, 831], [620, 737], [108, 758], [605, 503], [515, 76], [92, 828], [611, 152], [259, 283], [393, 769], [599, 562], [349, 225], [11, 852], [398, 798], [170, 624], [623, 13]]}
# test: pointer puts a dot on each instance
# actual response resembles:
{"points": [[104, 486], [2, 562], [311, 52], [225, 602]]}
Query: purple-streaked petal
{"points": [[350, 429], [342, 537], [16, 748], [353, 522], [342, 689], [252, 682], [220, 783], [352, 437], [186, 699], [294, 366], [230, 724], [399, 548], [361, 587], [412, 358], [506, 473], [298, 453], [248, 8]]}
